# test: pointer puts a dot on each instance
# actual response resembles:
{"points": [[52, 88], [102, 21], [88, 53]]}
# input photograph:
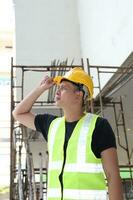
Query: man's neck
{"points": [[73, 116]]}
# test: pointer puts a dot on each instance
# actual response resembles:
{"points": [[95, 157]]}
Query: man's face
{"points": [[65, 94]]}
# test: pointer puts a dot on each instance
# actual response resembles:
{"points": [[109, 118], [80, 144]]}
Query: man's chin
{"points": [[58, 104]]}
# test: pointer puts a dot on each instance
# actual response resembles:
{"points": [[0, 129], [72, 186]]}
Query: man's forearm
{"points": [[115, 188], [22, 111], [26, 104]]}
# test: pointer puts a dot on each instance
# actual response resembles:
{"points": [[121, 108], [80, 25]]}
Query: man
{"points": [[80, 144]]}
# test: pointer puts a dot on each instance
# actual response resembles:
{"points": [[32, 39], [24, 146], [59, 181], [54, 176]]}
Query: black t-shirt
{"points": [[103, 136]]}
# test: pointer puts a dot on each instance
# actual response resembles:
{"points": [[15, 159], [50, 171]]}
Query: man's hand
{"points": [[46, 83]]}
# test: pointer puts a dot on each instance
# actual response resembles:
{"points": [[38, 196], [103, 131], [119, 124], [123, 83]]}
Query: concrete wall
{"points": [[106, 30], [46, 30], [126, 94]]}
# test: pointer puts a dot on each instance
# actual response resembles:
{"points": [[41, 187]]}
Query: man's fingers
{"points": [[47, 82]]}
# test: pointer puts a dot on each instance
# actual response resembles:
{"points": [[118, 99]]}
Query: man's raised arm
{"points": [[22, 112]]}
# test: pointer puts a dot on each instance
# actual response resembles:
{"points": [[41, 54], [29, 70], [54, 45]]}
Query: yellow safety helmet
{"points": [[79, 76]]}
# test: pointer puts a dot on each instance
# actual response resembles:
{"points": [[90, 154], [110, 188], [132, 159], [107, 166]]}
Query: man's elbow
{"points": [[15, 114]]}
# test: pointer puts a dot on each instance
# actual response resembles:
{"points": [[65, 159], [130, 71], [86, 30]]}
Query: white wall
{"points": [[98, 30], [106, 29], [126, 94], [46, 30]]}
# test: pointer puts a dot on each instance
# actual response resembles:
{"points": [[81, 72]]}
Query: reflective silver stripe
{"points": [[52, 136], [55, 165], [79, 194], [80, 167], [84, 167], [81, 151], [85, 194], [53, 193]]}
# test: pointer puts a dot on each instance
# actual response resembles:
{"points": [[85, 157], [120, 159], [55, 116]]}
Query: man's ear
{"points": [[79, 94]]}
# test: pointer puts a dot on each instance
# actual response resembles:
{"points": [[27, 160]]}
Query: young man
{"points": [[81, 145]]}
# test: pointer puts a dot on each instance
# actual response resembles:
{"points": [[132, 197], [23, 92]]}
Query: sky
{"points": [[6, 15]]}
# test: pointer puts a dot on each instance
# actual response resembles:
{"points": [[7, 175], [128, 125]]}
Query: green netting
{"points": [[37, 178], [126, 173]]}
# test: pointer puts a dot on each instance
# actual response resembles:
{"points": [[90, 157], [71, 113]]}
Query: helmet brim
{"points": [[58, 79]]}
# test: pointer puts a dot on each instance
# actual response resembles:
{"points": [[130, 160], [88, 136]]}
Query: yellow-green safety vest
{"points": [[83, 176]]}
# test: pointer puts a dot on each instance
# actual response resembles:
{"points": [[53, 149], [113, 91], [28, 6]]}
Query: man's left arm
{"points": [[111, 168]]}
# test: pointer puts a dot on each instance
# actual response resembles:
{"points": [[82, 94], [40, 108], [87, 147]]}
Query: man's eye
{"points": [[61, 88]]}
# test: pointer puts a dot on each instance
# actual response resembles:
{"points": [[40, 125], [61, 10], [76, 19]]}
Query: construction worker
{"points": [[81, 145]]}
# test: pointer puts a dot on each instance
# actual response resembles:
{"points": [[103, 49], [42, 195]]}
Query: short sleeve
{"points": [[103, 137], [42, 123]]}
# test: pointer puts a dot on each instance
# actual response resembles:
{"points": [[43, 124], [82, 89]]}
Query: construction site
{"points": [[29, 150], [50, 38]]}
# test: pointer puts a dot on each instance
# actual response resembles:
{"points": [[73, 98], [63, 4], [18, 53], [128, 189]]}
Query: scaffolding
{"points": [[23, 184]]}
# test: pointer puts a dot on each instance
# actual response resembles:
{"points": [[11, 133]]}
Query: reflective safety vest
{"points": [[83, 177]]}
